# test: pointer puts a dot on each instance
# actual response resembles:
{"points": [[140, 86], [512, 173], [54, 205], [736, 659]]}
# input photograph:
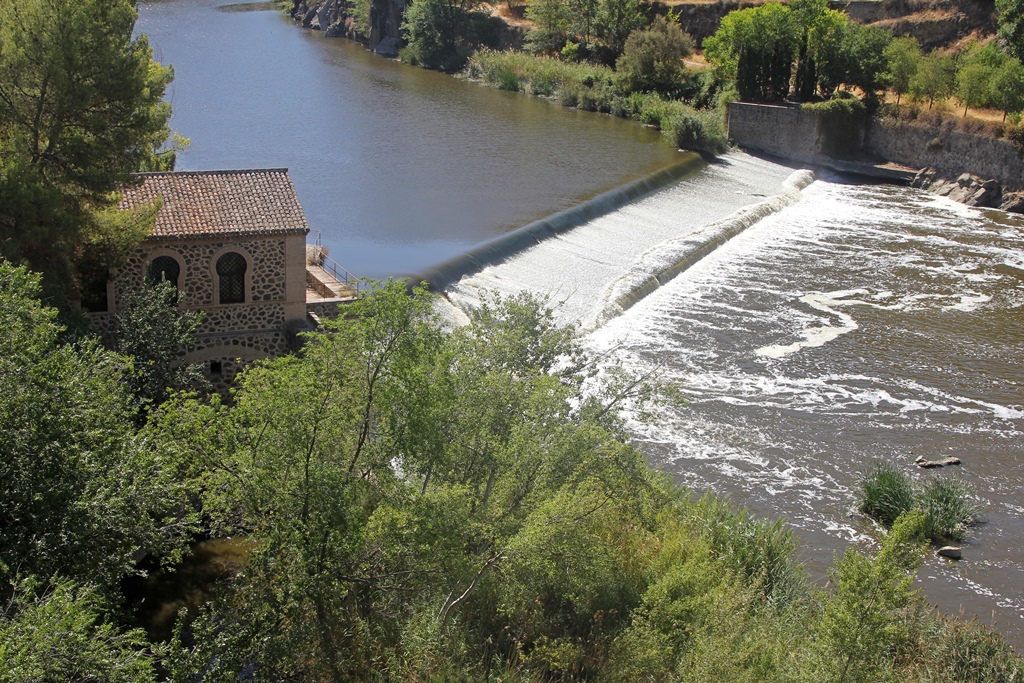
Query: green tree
{"points": [[394, 472], [828, 47], [62, 635], [808, 13], [935, 78], [1007, 86], [151, 331], [863, 617], [974, 84], [616, 19], [653, 58], [80, 493], [80, 110], [1011, 25], [977, 68], [443, 33], [582, 17], [756, 48], [904, 58], [552, 19], [865, 47]]}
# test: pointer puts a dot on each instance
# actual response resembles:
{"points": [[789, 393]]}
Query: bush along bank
{"points": [[694, 120]]}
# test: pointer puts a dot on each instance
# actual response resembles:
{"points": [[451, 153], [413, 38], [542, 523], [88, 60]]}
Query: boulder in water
{"points": [[949, 551], [388, 47], [930, 464], [1013, 202]]}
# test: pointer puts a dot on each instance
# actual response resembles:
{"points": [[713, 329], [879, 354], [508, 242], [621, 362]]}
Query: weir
{"points": [[598, 259], [501, 248], [659, 265]]}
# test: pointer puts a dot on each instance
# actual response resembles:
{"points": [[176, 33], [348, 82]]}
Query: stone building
{"points": [[234, 244]]}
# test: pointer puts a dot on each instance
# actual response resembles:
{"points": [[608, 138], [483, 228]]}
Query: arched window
{"points": [[163, 268], [231, 274]]}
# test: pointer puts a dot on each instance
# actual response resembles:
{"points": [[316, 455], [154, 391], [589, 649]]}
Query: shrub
{"points": [[507, 80], [652, 60], [842, 123], [948, 508], [1016, 136], [761, 551], [967, 652], [698, 131]]}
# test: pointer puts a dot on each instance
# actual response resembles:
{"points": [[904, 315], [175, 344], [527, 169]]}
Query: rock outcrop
{"points": [[929, 464], [971, 190], [335, 19]]}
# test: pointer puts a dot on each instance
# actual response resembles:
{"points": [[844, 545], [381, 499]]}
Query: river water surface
{"points": [[399, 168], [862, 322]]}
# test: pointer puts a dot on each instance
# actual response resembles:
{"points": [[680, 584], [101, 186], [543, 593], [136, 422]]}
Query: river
{"points": [[398, 168], [861, 322]]}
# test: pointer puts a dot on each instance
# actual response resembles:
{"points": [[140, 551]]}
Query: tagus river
{"points": [[850, 323]]}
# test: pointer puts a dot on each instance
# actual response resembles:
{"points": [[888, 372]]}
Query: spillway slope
{"points": [[574, 268]]}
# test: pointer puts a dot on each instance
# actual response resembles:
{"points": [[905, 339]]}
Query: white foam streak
{"points": [[665, 261]]}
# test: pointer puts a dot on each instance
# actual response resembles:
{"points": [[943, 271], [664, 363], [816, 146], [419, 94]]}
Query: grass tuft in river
{"points": [[886, 492]]}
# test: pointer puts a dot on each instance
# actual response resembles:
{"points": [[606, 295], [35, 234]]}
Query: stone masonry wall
{"points": [[266, 271], [950, 152], [793, 134], [784, 131]]}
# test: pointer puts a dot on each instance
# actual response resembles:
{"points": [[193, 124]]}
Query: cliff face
{"points": [[334, 18]]}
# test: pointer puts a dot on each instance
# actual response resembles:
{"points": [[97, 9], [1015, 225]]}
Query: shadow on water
{"points": [[154, 600]]}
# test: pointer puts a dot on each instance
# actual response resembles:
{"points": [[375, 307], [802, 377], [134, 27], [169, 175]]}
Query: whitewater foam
{"points": [[665, 261]]}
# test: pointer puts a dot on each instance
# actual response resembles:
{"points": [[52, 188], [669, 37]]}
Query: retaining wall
{"points": [[950, 152], [785, 131]]}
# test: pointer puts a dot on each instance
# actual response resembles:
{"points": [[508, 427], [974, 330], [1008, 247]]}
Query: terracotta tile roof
{"points": [[222, 203]]}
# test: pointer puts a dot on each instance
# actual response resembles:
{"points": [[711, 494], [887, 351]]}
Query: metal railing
{"points": [[340, 273]]}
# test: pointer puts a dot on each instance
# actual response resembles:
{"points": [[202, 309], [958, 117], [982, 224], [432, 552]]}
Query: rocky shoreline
{"points": [[971, 190]]}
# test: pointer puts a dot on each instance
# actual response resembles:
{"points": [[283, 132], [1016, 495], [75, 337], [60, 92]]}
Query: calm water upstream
{"points": [[862, 322], [398, 167]]}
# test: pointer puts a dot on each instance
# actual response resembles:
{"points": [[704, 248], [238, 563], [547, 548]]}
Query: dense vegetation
{"points": [[420, 504], [946, 502], [611, 56]]}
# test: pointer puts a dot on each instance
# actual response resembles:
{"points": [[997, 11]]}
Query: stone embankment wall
{"points": [[780, 130], [950, 152], [975, 169]]}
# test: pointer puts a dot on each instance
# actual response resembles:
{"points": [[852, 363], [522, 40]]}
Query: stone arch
{"points": [[246, 277], [169, 253]]}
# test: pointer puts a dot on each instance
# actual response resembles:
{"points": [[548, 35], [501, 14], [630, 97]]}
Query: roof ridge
{"points": [[225, 171]]}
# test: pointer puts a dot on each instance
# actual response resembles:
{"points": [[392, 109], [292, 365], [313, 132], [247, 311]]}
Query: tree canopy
{"points": [[1011, 25], [756, 47], [79, 493], [81, 109]]}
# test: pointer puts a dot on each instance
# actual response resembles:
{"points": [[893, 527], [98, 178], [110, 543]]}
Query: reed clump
{"points": [[947, 503]]}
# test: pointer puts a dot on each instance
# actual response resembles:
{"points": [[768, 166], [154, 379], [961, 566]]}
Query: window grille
{"points": [[231, 272]]}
